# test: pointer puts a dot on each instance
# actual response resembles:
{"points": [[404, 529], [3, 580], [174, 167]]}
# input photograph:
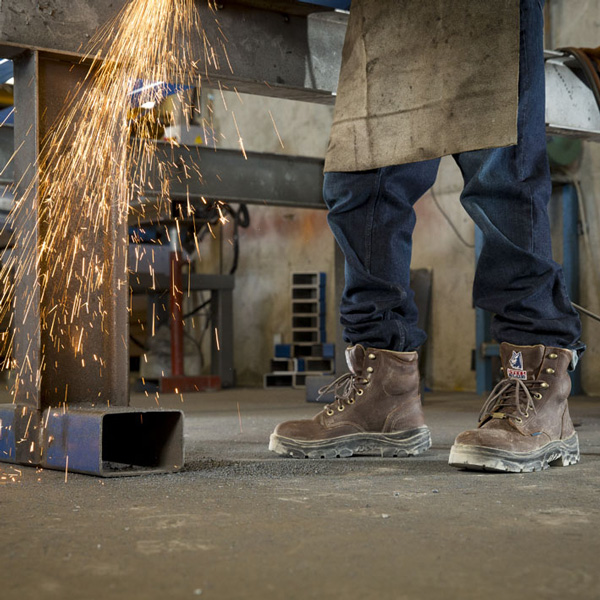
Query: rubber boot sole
{"points": [[399, 444], [561, 453]]}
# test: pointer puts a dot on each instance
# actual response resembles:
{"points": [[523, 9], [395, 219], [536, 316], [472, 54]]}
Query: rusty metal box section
{"points": [[106, 442]]}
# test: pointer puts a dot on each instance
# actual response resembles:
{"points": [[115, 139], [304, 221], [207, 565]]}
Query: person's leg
{"points": [[372, 217], [525, 424], [506, 193], [377, 407]]}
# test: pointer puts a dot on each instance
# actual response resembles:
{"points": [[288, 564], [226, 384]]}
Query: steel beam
{"points": [[229, 175], [276, 48], [66, 26], [41, 87], [64, 402], [63, 26], [27, 343]]}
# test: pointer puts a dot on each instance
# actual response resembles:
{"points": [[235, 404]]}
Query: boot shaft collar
{"points": [[530, 362]]}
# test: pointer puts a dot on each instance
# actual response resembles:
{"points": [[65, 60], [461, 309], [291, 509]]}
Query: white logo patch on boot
{"points": [[516, 362]]}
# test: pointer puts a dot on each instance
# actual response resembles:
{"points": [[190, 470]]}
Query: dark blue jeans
{"points": [[506, 192]]}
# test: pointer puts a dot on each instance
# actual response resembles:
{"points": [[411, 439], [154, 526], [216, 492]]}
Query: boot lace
{"points": [[512, 399], [345, 389]]}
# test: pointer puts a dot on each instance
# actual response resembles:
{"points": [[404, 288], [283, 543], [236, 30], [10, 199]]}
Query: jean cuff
{"points": [[577, 351]]}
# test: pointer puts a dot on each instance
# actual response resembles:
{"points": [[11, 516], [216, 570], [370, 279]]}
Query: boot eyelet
{"points": [[341, 408], [553, 355], [351, 400], [544, 385], [372, 356], [360, 392], [526, 415], [550, 371], [537, 396], [518, 420], [370, 369], [329, 412]]}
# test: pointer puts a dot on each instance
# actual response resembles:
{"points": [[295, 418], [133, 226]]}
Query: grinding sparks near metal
{"points": [[276, 130], [93, 173], [12, 475], [240, 139]]}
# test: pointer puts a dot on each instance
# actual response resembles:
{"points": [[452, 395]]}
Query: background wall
{"points": [[281, 240]]}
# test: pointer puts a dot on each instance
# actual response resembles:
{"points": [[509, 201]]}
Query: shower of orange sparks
{"points": [[86, 163]]}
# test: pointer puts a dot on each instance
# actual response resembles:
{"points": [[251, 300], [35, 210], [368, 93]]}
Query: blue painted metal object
{"points": [[485, 348], [8, 435], [19, 443], [283, 351], [6, 70], [153, 92], [570, 262], [105, 442], [329, 351]]}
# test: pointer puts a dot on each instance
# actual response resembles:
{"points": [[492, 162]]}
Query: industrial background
{"points": [[233, 520]]}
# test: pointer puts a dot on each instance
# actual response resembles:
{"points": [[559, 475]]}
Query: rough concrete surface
{"points": [[240, 522]]}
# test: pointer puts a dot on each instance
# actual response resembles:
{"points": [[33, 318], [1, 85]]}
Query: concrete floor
{"points": [[240, 522]]}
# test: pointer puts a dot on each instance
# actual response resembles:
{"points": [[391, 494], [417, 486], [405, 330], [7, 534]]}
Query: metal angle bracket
{"points": [[107, 442]]}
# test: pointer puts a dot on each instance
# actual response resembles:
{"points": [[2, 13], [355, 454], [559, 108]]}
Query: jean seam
{"points": [[369, 222]]}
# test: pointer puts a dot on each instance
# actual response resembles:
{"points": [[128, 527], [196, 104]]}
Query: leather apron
{"points": [[422, 79]]}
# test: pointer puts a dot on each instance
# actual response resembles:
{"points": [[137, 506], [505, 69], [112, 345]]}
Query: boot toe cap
{"points": [[299, 430], [490, 438]]}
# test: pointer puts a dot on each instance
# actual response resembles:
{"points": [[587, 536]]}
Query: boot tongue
{"points": [[521, 362], [355, 357]]}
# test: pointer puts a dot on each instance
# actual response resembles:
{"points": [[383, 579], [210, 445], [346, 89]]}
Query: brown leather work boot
{"points": [[525, 423], [377, 411]]}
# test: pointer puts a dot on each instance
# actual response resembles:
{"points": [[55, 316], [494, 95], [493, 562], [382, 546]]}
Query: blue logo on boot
{"points": [[516, 362]]}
